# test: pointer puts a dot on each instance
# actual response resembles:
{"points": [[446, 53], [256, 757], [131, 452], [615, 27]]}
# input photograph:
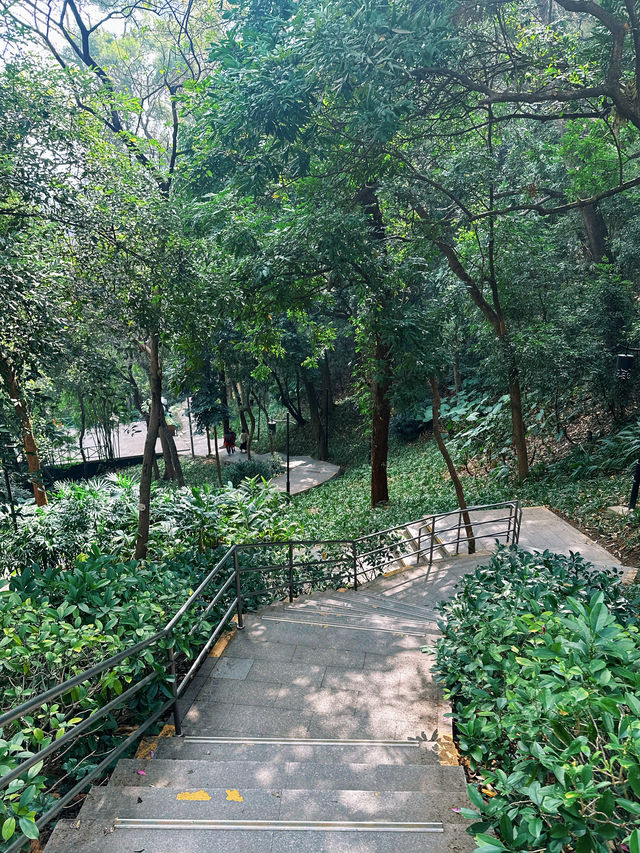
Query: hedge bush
{"points": [[68, 606], [540, 656]]}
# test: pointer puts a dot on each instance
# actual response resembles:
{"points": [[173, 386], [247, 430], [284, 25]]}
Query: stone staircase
{"points": [[319, 730]]}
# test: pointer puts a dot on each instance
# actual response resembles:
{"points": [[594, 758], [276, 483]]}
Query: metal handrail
{"points": [[354, 570]]}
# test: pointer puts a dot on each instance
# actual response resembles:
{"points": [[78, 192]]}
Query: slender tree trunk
{"points": [[455, 478], [155, 414], [21, 408], [515, 400], [208, 434], [215, 443], [252, 429], [224, 401], [380, 418], [317, 426], [327, 384]]}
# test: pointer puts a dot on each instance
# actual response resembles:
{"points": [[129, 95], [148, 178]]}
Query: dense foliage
{"points": [[539, 656]]}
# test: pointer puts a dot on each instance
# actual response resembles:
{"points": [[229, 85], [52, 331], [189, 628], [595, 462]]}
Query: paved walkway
{"points": [[317, 729]]}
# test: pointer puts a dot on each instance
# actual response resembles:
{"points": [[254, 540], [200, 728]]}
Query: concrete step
{"points": [[270, 805], [168, 773], [351, 621], [89, 836], [376, 614], [386, 603], [281, 751]]}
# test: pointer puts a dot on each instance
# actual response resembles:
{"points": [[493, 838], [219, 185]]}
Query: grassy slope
{"points": [[418, 484]]}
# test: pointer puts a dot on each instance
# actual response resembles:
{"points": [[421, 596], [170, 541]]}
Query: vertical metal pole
{"points": [[458, 533], [291, 589], [288, 480], [193, 453], [236, 569], [174, 689], [354, 550], [419, 544], [432, 539], [10, 497]]}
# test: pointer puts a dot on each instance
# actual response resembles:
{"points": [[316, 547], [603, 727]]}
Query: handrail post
{"points": [[174, 688], [236, 569], [509, 524], [291, 589], [432, 539], [418, 555], [458, 533], [354, 557]]}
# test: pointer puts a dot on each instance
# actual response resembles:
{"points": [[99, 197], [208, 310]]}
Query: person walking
{"points": [[229, 441], [244, 441], [232, 437]]}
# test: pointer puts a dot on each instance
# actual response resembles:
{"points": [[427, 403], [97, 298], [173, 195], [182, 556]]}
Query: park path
{"points": [[317, 729], [305, 472]]}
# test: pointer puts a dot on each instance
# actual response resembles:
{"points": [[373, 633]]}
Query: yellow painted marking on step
{"points": [[149, 745], [194, 796], [221, 644], [394, 572], [235, 796], [447, 752]]}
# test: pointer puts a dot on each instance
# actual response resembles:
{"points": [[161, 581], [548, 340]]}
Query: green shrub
{"points": [[102, 513], [540, 656]]}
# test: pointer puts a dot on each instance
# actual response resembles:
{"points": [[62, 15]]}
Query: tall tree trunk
{"points": [[317, 427], [327, 385], [21, 408], [252, 429], [453, 473], [208, 434], [382, 370], [224, 402], [380, 418], [155, 414], [215, 444], [597, 235], [517, 420]]}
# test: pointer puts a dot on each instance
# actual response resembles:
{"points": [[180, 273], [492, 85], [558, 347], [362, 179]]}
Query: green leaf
{"points": [[8, 828], [29, 828], [489, 843], [633, 841], [631, 807], [475, 797]]}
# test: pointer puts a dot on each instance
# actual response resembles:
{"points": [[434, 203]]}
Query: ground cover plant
{"points": [[540, 657], [80, 598]]}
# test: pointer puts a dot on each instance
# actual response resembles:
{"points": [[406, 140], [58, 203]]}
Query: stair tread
{"points": [[88, 836], [285, 804], [168, 773], [177, 748]]}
